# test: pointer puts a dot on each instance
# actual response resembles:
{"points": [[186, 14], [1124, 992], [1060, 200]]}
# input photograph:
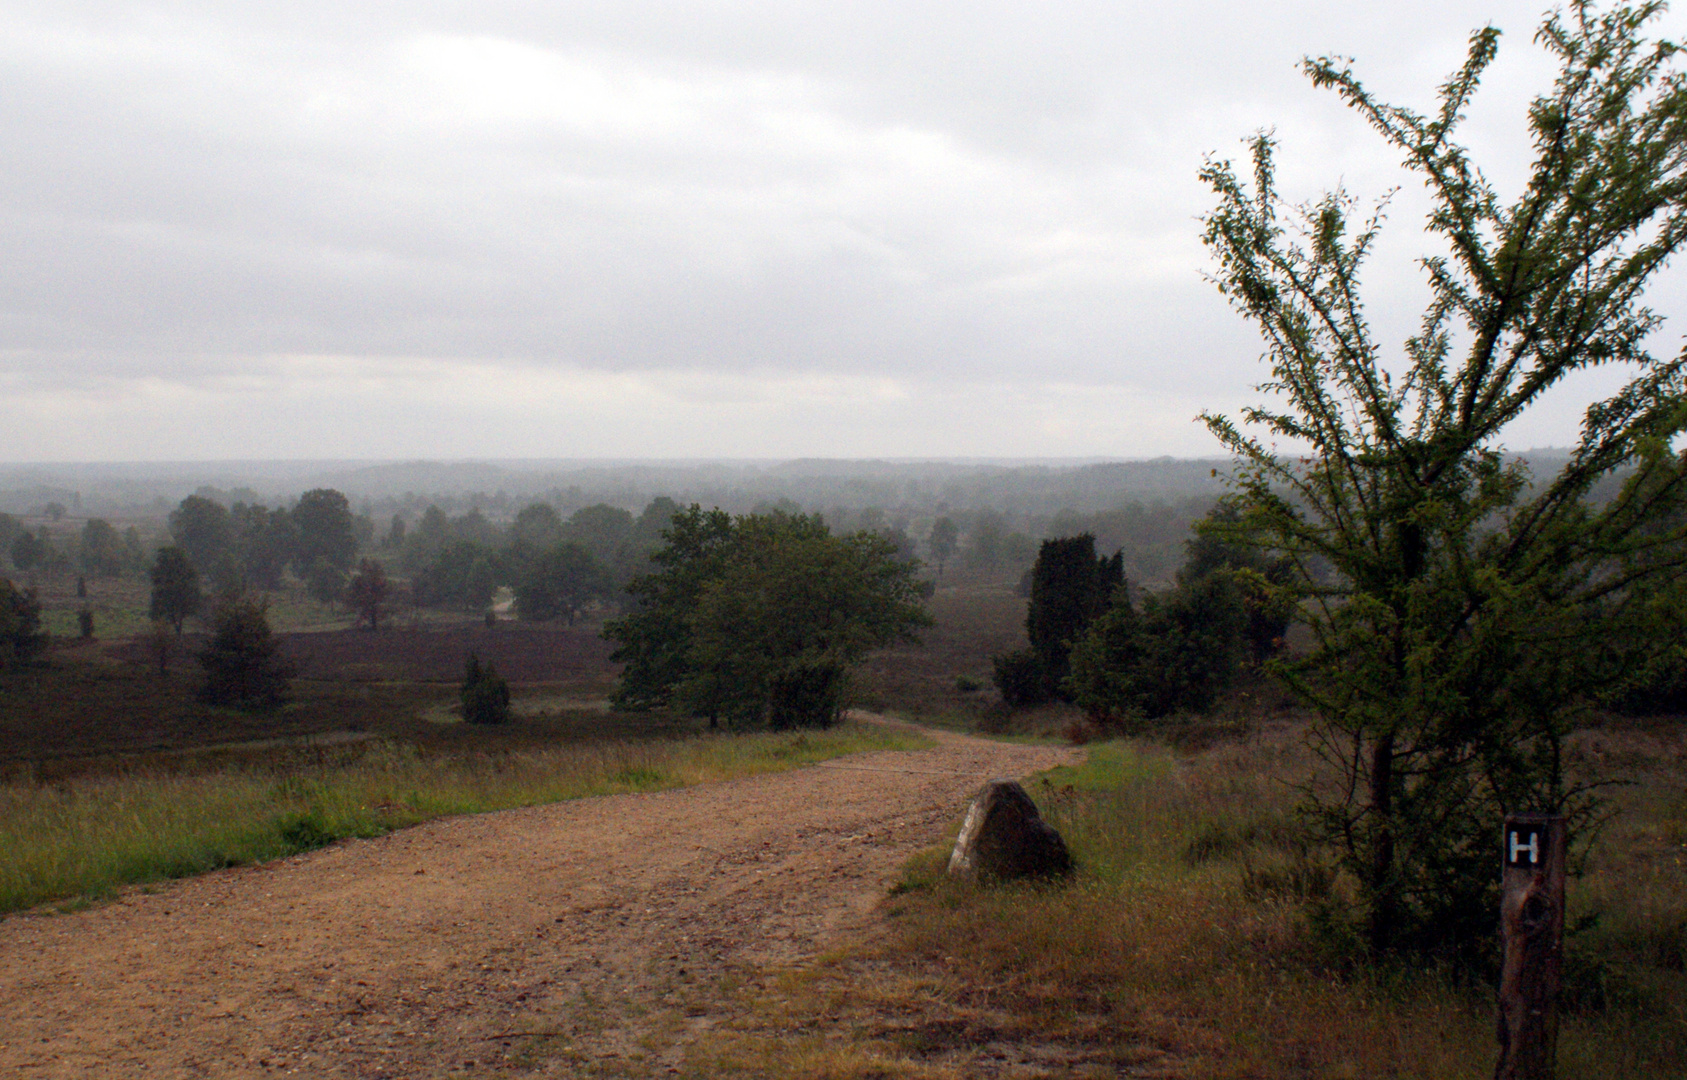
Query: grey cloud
{"points": [[943, 192]]}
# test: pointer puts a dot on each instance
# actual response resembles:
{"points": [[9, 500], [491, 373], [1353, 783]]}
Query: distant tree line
{"points": [[99, 550], [555, 568]]}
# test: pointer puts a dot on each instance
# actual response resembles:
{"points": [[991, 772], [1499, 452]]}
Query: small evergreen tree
{"points": [[1070, 587], [241, 665], [21, 636], [485, 695], [1019, 676]]}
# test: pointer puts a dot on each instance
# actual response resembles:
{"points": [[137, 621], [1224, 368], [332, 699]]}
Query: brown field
{"points": [[101, 705], [976, 618], [93, 700]]}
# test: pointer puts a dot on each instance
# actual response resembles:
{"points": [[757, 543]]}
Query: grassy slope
{"points": [[1179, 950], [92, 835]]}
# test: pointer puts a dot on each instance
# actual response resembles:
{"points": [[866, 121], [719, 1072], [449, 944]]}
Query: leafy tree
{"points": [[363, 529], [760, 618], [367, 590], [1454, 613], [201, 528], [134, 555], [325, 582], [175, 588], [10, 528], [1176, 655], [21, 636], [31, 550], [987, 539], [264, 542], [484, 694], [481, 582], [652, 521], [101, 551], [462, 573], [607, 532], [655, 638], [538, 526], [1257, 580], [943, 542], [559, 583], [906, 549], [241, 665], [326, 532]]}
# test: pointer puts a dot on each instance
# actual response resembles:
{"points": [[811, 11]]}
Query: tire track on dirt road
{"points": [[607, 924]]}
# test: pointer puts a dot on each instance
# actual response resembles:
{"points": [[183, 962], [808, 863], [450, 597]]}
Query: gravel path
{"points": [[607, 926]]}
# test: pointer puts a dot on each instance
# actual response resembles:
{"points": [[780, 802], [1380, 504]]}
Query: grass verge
{"points": [[85, 838], [1180, 951]]}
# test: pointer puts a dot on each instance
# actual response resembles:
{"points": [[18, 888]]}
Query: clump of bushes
{"points": [[485, 694], [1090, 644]]}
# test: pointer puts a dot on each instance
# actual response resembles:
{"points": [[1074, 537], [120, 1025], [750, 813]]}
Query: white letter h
{"points": [[1532, 847]]}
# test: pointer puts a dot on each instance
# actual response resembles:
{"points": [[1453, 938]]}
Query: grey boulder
{"points": [[1004, 838]]}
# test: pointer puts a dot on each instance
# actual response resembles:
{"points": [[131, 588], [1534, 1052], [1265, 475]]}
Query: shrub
{"points": [[241, 666], [21, 636], [485, 694], [805, 696], [1020, 677]]}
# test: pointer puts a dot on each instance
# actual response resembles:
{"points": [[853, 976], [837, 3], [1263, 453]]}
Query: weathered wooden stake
{"points": [[1532, 944]]}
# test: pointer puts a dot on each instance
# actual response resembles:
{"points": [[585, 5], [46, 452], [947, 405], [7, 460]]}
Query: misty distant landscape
{"points": [[843, 542]]}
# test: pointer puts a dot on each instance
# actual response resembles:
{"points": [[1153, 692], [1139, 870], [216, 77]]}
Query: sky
{"points": [[683, 229]]}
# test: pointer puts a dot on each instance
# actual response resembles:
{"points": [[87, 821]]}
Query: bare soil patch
{"points": [[591, 937]]}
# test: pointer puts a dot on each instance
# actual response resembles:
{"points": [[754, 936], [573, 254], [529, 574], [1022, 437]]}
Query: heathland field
{"points": [[728, 903]]}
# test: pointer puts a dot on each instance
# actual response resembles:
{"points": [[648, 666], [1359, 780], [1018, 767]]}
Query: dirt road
{"points": [[608, 925]]}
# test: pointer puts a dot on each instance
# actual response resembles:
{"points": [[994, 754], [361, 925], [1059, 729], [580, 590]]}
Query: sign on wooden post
{"points": [[1532, 945]]}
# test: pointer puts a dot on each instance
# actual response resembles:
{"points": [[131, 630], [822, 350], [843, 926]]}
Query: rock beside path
{"points": [[1004, 838]]}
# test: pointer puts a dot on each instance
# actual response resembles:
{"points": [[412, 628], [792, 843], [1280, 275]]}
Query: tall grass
{"points": [[1182, 947], [86, 838]]}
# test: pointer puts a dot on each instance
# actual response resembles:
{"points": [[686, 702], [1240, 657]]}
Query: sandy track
{"points": [[608, 924]]}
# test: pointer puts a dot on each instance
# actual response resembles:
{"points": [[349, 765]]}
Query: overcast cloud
{"points": [[668, 229]]}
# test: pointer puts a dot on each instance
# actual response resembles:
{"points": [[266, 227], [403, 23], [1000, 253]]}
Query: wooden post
{"points": [[1532, 946]]}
